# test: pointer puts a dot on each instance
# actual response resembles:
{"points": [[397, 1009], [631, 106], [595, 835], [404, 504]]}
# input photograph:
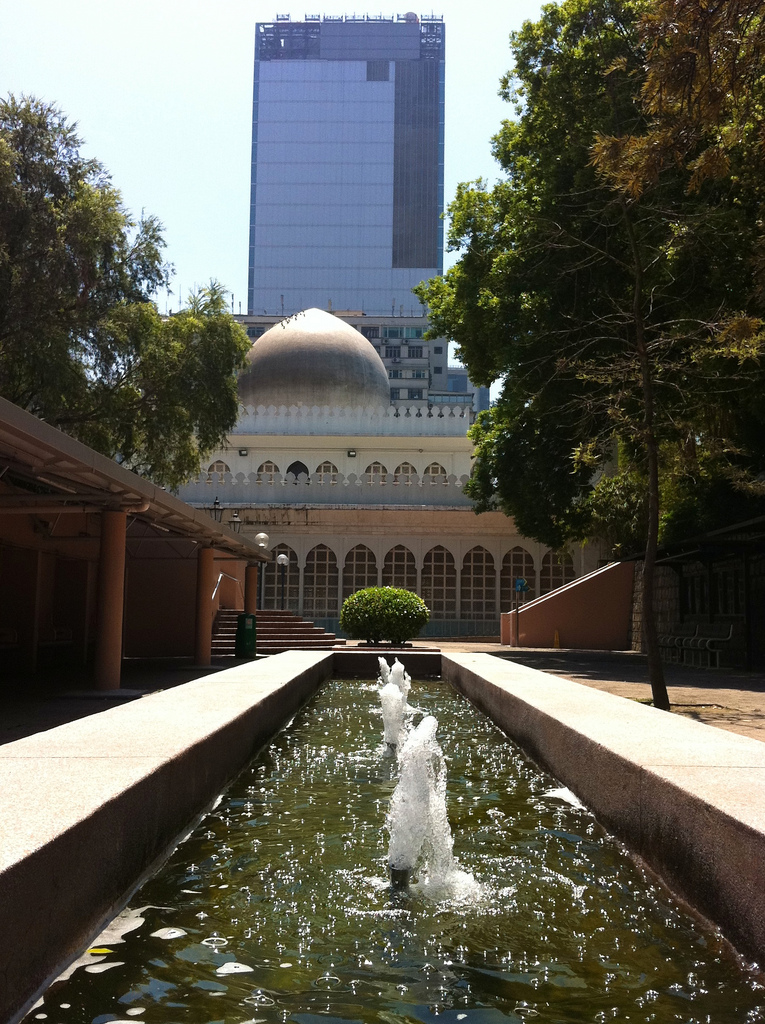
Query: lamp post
{"points": [[282, 561], [236, 522], [261, 541], [217, 510]]}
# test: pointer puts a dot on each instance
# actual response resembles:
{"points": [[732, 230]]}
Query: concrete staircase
{"points": [[276, 632]]}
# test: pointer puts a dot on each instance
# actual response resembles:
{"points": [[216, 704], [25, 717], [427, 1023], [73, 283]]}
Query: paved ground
{"points": [[728, 699]]}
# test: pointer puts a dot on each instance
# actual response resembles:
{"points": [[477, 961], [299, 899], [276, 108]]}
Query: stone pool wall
{"points": [[685, 797], [89, 808]]}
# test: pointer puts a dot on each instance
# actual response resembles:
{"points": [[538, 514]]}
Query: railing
{"points": [[288, 489], [225, 593]]}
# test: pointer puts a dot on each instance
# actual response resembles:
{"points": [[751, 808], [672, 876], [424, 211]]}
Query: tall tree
{"points": [[595, 305], [81, 343]]}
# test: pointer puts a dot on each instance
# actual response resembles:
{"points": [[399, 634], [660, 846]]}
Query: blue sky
{"points": [[161, 90]]}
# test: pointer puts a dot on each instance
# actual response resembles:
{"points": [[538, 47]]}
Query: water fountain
{"points": [[278, 907], [394, 691]]}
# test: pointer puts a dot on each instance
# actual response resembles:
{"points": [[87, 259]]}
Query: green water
{"points": [[287, 878]]}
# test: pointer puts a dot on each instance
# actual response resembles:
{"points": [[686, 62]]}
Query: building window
{"points": [[438, 369], [394, 374], [415, 392], [326, 473], [517, 564], [359, 571], [395, 394], [255, 332], [392, 351], [438, 350], [415, 351], [404, 473], [478, 584], [370, 332], [399, 569], [557, 570], [418, 374], [435, 474], [272, 581], [267, 472], [378, 71], [376, 473], [439, 584], [298, 469], [219, 467], [320, 579], [393, 332], [413, 332]]}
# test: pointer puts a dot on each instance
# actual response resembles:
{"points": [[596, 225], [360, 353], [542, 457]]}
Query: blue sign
{"points": [[521, 586]]}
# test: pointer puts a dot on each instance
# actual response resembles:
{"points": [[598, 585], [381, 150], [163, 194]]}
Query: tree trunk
{"points": [[655, 666]]}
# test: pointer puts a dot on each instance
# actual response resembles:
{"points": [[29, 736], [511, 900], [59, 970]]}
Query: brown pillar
{"points": [[251, 589], [205, 587], [111, 599]]}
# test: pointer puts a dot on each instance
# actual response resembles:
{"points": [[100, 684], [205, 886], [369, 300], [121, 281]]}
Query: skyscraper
{"points": [[347, 163]]}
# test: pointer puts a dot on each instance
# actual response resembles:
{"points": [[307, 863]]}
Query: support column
{"points": [[111, 599], [251, 589], [205, 587]]}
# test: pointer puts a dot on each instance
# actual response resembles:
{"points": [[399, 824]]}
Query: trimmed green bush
{"points": [[378, 614]]}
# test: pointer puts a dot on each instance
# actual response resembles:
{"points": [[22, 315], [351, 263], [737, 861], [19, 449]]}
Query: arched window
{"points": [[326, 473], [219, 467], [320, 584], [399, 569], [404, 473], [557, 570], [376, 473], [517, 564], [435, 474], [266, 472], [478, 585], [359, 571], [272, 582], [439, 583], [296, 468]]}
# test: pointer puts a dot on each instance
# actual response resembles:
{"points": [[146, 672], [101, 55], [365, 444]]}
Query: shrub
{"points": [[383, 613]]}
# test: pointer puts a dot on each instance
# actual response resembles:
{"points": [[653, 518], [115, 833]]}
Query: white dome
{"points": [[314, 359]]}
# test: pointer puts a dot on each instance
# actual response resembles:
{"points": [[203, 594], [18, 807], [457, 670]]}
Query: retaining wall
{"points": [[686, 797], [87, 809]]}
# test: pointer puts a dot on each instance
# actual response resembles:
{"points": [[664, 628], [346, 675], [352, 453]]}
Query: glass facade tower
{"points": [[347, 163]]}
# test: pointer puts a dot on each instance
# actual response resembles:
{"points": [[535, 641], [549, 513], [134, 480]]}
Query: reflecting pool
{"points": [[278, 907]]}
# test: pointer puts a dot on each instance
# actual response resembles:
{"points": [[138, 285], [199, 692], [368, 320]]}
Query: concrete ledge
{"points": [[86, 809], [363, 664], [686, 797]]}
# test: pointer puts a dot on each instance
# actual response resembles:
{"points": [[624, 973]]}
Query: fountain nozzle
{"points": [[399, 877]]}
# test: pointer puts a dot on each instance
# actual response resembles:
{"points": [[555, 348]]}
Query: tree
{"points": [[596, 305], [81, 343]]}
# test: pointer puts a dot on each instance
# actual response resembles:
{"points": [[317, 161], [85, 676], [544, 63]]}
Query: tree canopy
{"points": [[82, 345], [616, 296]]}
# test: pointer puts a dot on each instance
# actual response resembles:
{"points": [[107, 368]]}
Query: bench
{"points": [[705, 647], [675, 643]]}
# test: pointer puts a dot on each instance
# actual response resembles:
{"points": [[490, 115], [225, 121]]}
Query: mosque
{"points": [[358, 492]]}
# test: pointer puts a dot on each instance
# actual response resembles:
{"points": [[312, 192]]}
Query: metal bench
{"points": [[705, 647]]}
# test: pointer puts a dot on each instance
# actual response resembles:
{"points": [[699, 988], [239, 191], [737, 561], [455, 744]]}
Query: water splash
{"points": [[420, 837], [394, 722], [395, 684]]}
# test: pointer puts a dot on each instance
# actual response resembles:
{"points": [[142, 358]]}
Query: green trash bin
{"points": [[245, 636]]}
